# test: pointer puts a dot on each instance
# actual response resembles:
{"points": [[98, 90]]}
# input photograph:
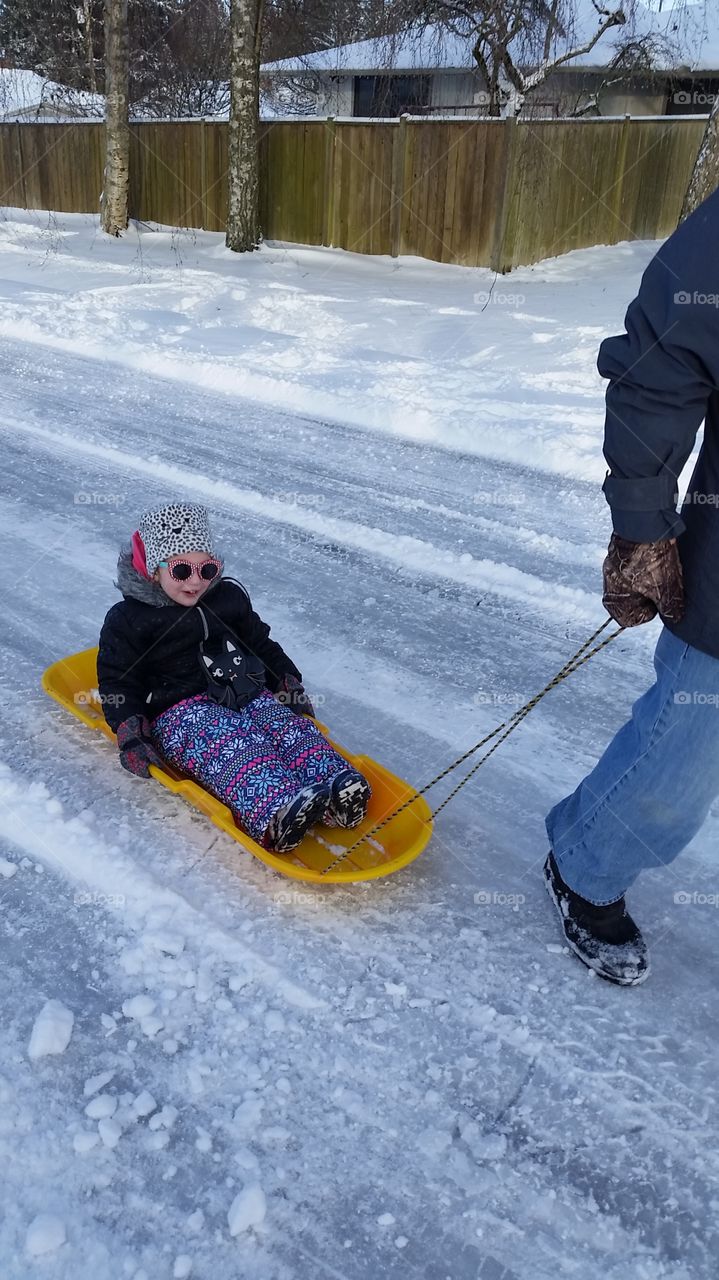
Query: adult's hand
{"points": [[642, 579]]}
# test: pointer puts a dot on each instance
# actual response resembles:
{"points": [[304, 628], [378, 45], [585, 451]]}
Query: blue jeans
{"points": [[651, 791]]}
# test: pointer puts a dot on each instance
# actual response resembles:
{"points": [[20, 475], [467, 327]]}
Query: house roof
{"points": [[25, 94], [687, 32]]}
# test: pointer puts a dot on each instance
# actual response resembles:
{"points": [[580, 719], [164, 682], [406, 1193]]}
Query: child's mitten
{"points": [[137, 750], [292, 694]]}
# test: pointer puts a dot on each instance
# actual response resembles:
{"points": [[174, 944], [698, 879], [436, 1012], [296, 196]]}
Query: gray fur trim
{"points": [[132, 583]]}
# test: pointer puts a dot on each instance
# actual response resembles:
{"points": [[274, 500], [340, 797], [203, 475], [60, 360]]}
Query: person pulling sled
{"points": [[652, 789]]}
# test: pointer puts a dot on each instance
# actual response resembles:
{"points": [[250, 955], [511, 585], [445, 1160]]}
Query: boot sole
{"points": [[589, 961], [348, 803], [296, 829]]}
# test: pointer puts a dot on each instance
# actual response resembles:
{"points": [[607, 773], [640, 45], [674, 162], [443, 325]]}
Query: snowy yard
{"points": [[209, 1071]]}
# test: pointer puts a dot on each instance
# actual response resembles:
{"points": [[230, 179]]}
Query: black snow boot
{"points": [[291, 823], [349, 796], [605, 938]]}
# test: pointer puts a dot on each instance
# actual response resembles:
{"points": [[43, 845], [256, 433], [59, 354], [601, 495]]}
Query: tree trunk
{"points": [[705, 175], [113, 205], [243, 214], [89, 45]]}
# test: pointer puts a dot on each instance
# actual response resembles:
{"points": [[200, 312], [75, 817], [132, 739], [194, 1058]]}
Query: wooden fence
{"points": [[475, 192]]}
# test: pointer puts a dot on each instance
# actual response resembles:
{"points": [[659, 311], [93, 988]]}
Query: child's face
{"points": [[188, 592]]}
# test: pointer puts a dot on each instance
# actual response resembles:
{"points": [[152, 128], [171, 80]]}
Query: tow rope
{"points": [[583, 654]]}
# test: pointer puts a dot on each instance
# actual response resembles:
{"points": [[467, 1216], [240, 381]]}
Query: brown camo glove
{"points": [[642, 579]]}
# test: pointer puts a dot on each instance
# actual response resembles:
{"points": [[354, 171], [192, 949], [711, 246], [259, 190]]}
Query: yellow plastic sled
{"points": [[73, 683]]}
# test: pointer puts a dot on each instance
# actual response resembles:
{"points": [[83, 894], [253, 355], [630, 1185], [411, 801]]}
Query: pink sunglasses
{"points": [[181, 570]]}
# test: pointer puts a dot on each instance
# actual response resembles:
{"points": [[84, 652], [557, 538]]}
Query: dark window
{"points": [[390, 95], [691, 96]]}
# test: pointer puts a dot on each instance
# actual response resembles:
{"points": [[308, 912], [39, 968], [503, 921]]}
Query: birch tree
{"points": [[86, 22], [113, 204], [705, 175], [512, 40], [243, 216]]}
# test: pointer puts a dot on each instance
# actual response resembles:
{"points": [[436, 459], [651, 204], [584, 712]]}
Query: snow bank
{"points": [[452, 356]]}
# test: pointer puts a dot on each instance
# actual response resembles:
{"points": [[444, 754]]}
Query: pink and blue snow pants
{"points": [[254, 760]]}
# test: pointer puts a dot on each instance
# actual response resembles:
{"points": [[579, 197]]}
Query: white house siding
{"points": [[613, 103], [455, 91], [565, 92]]}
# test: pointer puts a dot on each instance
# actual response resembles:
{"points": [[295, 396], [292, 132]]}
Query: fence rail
{"points": [[497, 193]]}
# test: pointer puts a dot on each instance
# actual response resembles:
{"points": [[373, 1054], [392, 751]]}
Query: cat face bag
{"points": [[234, 677]]}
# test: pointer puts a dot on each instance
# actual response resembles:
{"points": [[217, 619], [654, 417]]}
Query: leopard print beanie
{"points": [[174, 530]]}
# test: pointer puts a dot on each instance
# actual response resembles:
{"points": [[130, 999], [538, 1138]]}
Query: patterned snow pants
{"points": [[254, 760]]}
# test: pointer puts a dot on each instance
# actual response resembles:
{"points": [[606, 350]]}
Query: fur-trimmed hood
{"points": [[131, 583]]}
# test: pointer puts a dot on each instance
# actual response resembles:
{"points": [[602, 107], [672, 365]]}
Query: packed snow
{"points": [[44, 1235], [247, 1210], [51, 1030], [26, 95], [237, 1075]]}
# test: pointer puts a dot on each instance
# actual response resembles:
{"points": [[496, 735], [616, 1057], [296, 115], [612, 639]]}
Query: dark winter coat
{"points": [[149, 646], [664, 379]]}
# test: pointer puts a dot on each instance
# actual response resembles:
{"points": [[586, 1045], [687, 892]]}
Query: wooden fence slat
{"points": [[478, 192]]}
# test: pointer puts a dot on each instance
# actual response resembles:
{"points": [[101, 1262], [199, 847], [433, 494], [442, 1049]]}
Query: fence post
{"points": [[203, 178], [501, 257], [396, 209], [20, 165], [621, 170], [328, 231]]}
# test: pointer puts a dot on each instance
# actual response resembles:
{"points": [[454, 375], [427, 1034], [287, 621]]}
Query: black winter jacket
{"points": [[149, 646], [664, 379]]}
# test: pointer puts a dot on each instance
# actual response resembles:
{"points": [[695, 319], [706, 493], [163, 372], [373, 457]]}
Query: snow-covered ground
{"points": [[210, 1071]]}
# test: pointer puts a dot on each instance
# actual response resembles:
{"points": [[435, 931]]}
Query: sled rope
{"points": [[583, 654]]}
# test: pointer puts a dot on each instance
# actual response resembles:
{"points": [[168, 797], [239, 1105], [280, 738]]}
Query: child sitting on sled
{"points": [[188, 674]]}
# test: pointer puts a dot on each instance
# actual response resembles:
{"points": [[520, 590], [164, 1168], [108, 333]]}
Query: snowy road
{"points": [[405, 1079]]}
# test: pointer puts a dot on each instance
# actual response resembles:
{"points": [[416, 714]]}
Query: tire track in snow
{"points": [[403, 550]]}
